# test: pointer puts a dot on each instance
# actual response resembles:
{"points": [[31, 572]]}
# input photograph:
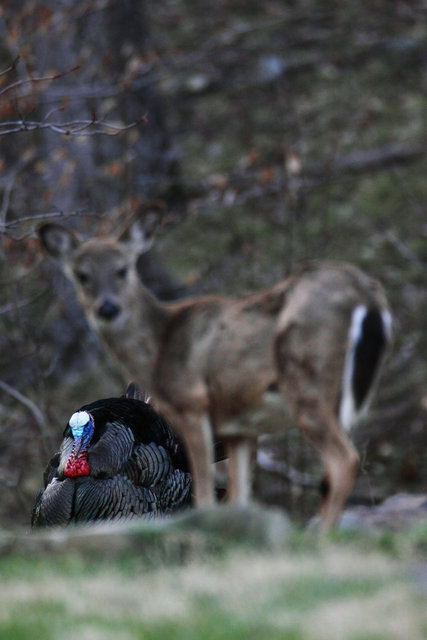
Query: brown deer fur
{"points": [[213, 365]]}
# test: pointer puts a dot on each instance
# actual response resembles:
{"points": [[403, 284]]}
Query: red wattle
{"points": [[77, 466]]}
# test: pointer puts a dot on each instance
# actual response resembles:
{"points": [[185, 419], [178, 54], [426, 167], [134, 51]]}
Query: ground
{"points": [[259, 577]]}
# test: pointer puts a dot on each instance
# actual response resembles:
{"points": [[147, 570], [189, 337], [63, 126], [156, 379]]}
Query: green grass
{"points": [[303, 594], [47, 622], [349, 587]]}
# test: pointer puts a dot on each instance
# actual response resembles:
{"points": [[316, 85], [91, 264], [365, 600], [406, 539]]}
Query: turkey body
{"points": [[118, 460]]}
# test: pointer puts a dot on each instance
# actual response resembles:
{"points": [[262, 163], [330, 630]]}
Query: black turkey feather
{"points": [[119, 459]]}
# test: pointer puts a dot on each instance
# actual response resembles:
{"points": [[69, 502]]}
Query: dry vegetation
{"points": [[179, 582]]}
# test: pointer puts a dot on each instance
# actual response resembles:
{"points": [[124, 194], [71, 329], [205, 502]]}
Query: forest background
{"points": [[255, 136]]}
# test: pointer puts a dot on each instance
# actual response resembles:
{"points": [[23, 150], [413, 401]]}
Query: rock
{"points": [[170, 538], [252, 524], [396, 513]]}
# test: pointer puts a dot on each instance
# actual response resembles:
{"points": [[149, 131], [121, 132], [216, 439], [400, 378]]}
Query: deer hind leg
{"points": [[318, 423], [312, 403], [310, 388], [240, 453], [369, 333], [327, 367], [341, 464]]}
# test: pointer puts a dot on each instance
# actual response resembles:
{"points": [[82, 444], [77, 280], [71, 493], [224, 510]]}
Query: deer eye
{"points": [[82, 277], [122, 273]]}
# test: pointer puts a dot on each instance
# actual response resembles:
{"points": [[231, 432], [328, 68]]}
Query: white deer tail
{"points": [[369, 334]]}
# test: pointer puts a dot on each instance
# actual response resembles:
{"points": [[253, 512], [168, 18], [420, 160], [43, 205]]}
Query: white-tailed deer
{"points": [[311, 346]]}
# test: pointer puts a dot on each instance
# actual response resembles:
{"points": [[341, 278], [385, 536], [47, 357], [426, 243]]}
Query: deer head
{"points": [[102, 269]]}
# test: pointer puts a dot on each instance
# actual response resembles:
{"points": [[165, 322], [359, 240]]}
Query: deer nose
{"points": [[108, 310]]}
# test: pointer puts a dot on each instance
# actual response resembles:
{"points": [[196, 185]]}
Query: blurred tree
{"points": [[109, 42]]}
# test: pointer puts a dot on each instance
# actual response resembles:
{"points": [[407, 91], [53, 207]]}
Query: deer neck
{"points": [[135, 344]]}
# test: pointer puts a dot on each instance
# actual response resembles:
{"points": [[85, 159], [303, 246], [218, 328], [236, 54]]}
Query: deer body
{"points": [[309, 348]]}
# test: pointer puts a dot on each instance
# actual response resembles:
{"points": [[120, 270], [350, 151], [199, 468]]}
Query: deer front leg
{"points": [[240, 453], [196, 433]]}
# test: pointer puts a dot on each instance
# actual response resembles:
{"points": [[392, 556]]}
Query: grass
{"points": [[356, 587], [205, 622]]}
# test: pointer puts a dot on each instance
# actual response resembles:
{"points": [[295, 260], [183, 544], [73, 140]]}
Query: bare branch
{"points": [[42, 216], [32, 80], [266, 462], [402, 248], [11, 68], [367, 160], [6, 199], [13, 306], [7, 227], [74, 128], [37, 414]]}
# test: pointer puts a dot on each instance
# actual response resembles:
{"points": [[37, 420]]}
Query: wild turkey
{"points": [[118, 460]]}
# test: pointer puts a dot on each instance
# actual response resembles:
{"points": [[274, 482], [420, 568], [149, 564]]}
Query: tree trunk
{"points": [[114, 81]]}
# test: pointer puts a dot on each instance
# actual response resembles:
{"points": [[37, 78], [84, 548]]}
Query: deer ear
{"points": [[139, 233], [59, 241]]}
